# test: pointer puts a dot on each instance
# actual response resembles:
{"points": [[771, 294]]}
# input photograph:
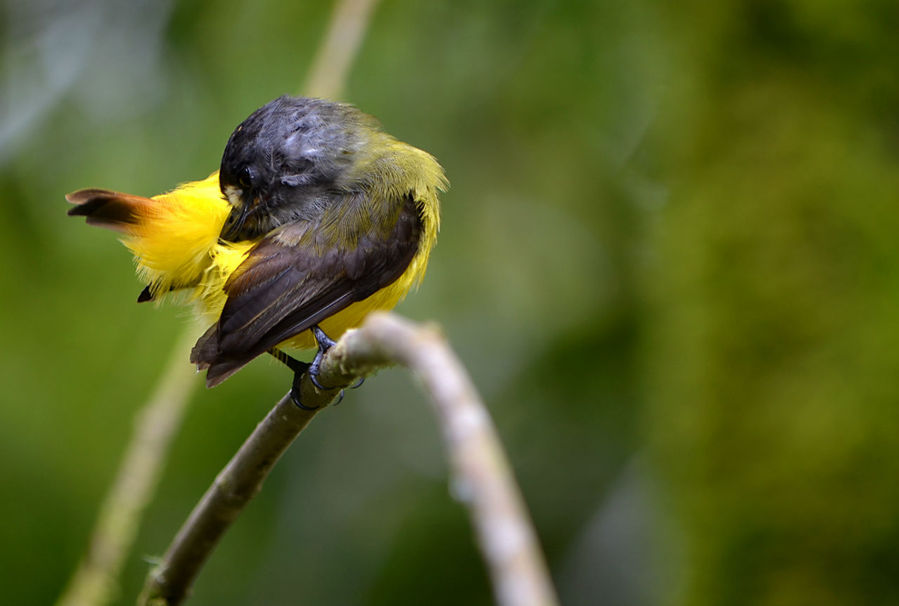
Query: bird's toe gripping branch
{"points": [[324, 344], [299, 369], [295, 389], [313, 369]]}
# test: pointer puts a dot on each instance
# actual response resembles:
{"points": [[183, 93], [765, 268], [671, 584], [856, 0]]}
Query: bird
{"points": [[315, 218]]}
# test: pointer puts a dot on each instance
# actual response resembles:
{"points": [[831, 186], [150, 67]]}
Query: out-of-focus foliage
{"points": [[774, 393], [669, 258]]}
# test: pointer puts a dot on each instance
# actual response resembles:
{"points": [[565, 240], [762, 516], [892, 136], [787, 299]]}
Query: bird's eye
{"points": [[246, 177]]}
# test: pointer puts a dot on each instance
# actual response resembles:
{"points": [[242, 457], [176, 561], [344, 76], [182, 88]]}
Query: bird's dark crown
{"points": [[284, 157]]}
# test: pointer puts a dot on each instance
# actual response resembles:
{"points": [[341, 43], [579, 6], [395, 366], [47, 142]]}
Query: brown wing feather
{"points": [[280, 290]]}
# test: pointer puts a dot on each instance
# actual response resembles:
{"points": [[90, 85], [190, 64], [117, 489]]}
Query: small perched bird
{"points": [[315, 218]]}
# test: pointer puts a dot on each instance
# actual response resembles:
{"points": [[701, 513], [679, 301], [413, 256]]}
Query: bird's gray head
{"points": [[285, 156]]}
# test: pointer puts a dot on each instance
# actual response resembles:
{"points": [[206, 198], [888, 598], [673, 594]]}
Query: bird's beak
{"points": [[234, 223]]}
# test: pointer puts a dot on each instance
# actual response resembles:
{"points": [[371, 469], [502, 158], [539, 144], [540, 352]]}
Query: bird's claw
{"points": [[295, 390], [324, 344], [313, 375]]}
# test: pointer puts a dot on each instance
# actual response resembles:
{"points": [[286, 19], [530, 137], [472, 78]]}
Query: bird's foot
{"points": [[324, 344], [313, 369], [299, 369]]}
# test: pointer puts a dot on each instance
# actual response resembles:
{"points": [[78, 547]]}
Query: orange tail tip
{"points": [[109, 209]]}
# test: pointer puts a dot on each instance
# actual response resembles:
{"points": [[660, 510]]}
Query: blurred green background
{"points": [[669, 258]]}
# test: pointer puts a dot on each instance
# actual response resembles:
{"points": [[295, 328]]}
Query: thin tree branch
{"points": [[480, 475], [170, 581], [95, 581], [335, 55]]}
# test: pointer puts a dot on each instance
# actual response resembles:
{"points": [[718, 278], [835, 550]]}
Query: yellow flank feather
{"points": [[175, 239]]}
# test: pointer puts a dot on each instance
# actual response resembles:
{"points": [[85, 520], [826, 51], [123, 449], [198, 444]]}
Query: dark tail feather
{"points": [[145, 295], [110, 209], [221, 370], [207, 356]]}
